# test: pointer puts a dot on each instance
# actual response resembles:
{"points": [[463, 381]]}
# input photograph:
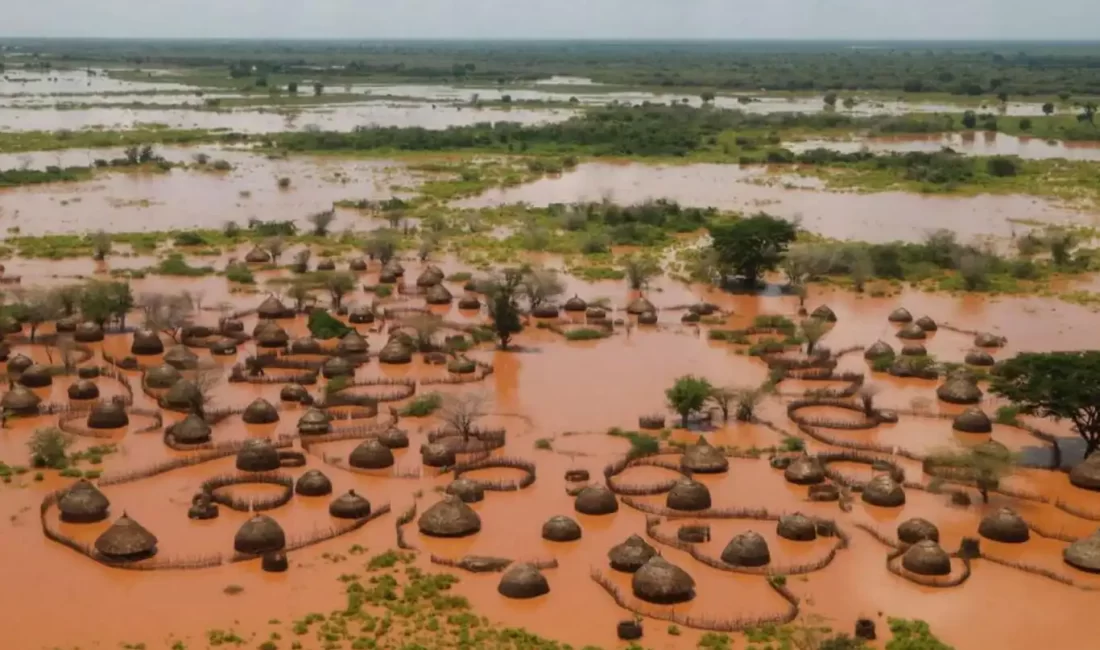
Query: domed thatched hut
{"points": [[595, 313], [662, 582], [82, 389], [18, 364], [260, 411], [269, 334], [108, 415], [987, 340], [126, 540], [640, 306], [430, 276], [88, 332], [959, 389], [191, 430], [879, 349], [927, 324], [596, 500], [314, 422], [437, 455], [804, 470], [972, 420], [438, 295], [523, 580], [394, 267], [797, 527], [395, 352], [181, 357], [914, 350], [688, 495], [1086, 474], [748, 549], [349, 506], [294, 393], [690, 317], [358, 265], [545, 311], [305, 345], [912, 332], [900, 315], [337, 367], [469, 302], [883, 491], [978, 357], [631, 555], [257, 256], [467, 490], [1084, 554], [1004, 525], [326, 265], [914, 530], [162, 376], [823, 492], [702, 458], [20, 401], [274, 562], [352, 343], [449, 517], [146, 342], [461, 366], [926, 558], [260, 534], [647, 318], [560, 528], [394, 438], [371, 454], [313, 483], [258, 455], [202, 508], [37, 376], [576, 303], [361, 315], [83, 503], [272, 308], [824, 313]]}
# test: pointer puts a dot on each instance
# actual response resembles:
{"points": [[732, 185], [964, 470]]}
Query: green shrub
{"points": [[423, 405], [174, 264], [792, 443], [543, 443], [323, 326], [1008, 414], [239, 273], [584, 334], [383, 291], [189, 238], [913, 635]]}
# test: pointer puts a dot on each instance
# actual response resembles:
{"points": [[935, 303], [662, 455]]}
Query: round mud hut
{"points": [[927, 324], [915, 530], [337, 367], [972, 420], [980, 358], [191, 430], [959, 389], [437, 454], [19, 363], [747, 549], [326, 265], [260, 534], [272, 308], [647, 318], [108, 415], [662, 582], [361, 315], [639, 306], [83, 389], [805, 470], [294, 393], [83, 503], [1086, 474], [179, 356], [467, 490], [394, 438], [688, 495], [1004, 525], [202, 508], [146, 342], [269, 334], [797, 527], [560, 528], [1084, 554], [305, 345], [88, 332], [438, 295], [596, 500], [914, 350], [371, 454], [545, 311], [987, 340], [926, 558], [260, 411], [20, 400], [352, 343], [879, 350], [461, 366], [314, 422], [702, 458], [630, 555], [469, 302], [449, 518], [162, 376], [523, 580], [430, 276], [884, 492], [395, 352], [313, 483], [900, 315], [349, 506], [912, 332], [258, 455], [37, 376], [576, 303], [126, 541], [824, 313], [257, 256]]}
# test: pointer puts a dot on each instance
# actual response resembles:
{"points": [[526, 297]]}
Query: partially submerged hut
{"points": [[20, 400], [560, 528], [110, 414], [972, 420], [688, 495], [258, 455], [83, 503], [467, 490], [662, 582], [192, 430], [916, 529], [630, 555], [314, 422], [349, 506], [883, 491], [797, 527], [260, 534], [260, 411], [1004, 525], [747, 549], [162, 376], [146, 342], [804, 470], [596, 500], [449, 517], [371, 454], [313, 483], [126, 541], [703, 458], [926, 558], [523, 580]]}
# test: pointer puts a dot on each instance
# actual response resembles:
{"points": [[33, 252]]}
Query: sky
{"points": [[525, 19]]}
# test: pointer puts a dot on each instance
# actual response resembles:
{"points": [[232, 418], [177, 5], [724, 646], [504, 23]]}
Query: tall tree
{"points": [[503, 293], [688, 395], [748, 247]]}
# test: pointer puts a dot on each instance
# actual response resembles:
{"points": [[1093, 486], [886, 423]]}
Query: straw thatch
{"points": [[305, 345], [258, 455], [358, 264], [126, 540], [183, 395], [87, 372], [748, 549], [257, 256], [272, 307], [560, 528], [629, 630], [926, 558], [294, 393], [703, 308], [179, 356], [702, 458], [88, 332], [371, 454], [314, 421], [523, 580], [467, 490], [108, 415], [469, 302], [797, 527], [639, 306], [914, 530], [879, 349], [545, 311], [912, 331], [630, 555], [337, 367], [83, 503], [595, 313], [162, 376], [688, 495], [146, 342], [394, 438], [1086, 474], [823, 492], [37, 376], [804, 470], [274, 562], [690, 317], [430, 276], [824, 313], [987, 340], [260, 411], [269, 334], [194, 331], [1084, 554], [313, 483], [576, 303], [1004, 525], [914, 350], [883, 491], [18, 364], [596, 500], [900, 315], [83, 389], [349, 506], [959, 389], [231, 326], [437, 454], [972, 420], [979, 358], [260, 534], [438, 295], [662, 582], [326, 265], [927, 324], [352, 343], [20, 400], [191, 430], [361, 315], [395, 352], [202, 508], [449, 517]]}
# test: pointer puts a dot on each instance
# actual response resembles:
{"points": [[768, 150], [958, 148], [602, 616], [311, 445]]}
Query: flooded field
{"points": [[971, 144], [20, 82], [544, 411]]}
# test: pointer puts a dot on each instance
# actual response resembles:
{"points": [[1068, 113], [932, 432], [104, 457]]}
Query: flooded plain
{"points": [[972, 144]]}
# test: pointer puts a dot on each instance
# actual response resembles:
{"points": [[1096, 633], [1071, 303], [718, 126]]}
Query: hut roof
{"points": [[927, 324], [349, 506], [883, 491], [83, 503], [191, 430], [797, 527], [927, 558], [1086, 474], [108, 415], [959, 389], [660, 581], [361, 314], [595, 313], [461, 366], [326, 265], [545, 311], [1084, 554], [703, 308], [977, 357], [430, 276], [630, 555], [313, 483], [912, 331], [270, 334], [702, 458], [83, 389], [352, 343], [272, 307], [972, 420], [688, 495], [394, 267], [748, 549], [260, 411], [467, 490], [394, 438], [900, 315], [437, 454], [449, 517], [357, 264], [305, 345], [36, 376], [260, 534], [18, 364], [639, 306], [181, 357], [146, 341], [824, 313], [337, 367], [914, 350], [576, 303], [20, 399], [202, 508], [293, 393], [394, 351], [878, 349], [437, 294], [126, 539], [88, 332], [469, 302], [1004, 525], [162, 376], [987, 340], [371, 454], [257, 256], [914, 530], [560, 528], [523, 580], [596, 500], [314, 421], [182, 395], [258, 455], [804, 470]]}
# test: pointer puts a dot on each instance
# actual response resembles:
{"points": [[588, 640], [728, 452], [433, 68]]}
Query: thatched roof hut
{"points": [[688, 495], [926, 558], [305, 345], [361, 315], [314, 422], [824, 313], [110, 414], [647, 318], [702, 458], [1086, 474], [88, 332], [313, 483], [461, 366], [748, 549], [900, 315], [260, 411], [804, 470], [467, 490], [274, 562], [596, 500], [231, 325], [437, 454], [1004, 525], [260, 534], [395, 352], [83, 389], [182, 396], [83, 503], [179, 356], [883, 491], [972, 420], [21, 401], [146, 342], [545, 311], [449, 517], [358, 265], [202, 508], [269, 334], [393, 267], [823, 492], [326, 265], [987, 340], [927, 324], [191, 430], [19, 363], [797, 527], [294, 393], [560, 528], [430, 276], [914, 350], [631, 555], [349, 506], [639, 306], [576, 303], [272, 308], [690, 317], [352, 343], [257, 256], [662, 582], [523, 580], [195, 331], [386, 276], [912, 332], [37, 376], [914, 530], [703, 308], [371, 454], [879, 349], [162, 376], [87, 372], [595, 313], [959, 389], [337, 367], [394, 438], [978, 357], [437, 294], [258, 455], [126, 540], [1084, 554], [469, 302]]}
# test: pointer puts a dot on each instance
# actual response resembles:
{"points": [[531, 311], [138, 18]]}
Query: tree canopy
{"points": [[689, 394], [748, 247]]}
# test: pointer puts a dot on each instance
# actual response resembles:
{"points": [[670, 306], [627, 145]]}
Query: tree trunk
{"points": [[1092, 443], [684, 420], [985, 495]]}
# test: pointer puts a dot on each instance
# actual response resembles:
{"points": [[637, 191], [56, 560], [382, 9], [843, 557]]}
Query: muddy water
{"points": [[549, 388], [972, 144], [19, 82]]}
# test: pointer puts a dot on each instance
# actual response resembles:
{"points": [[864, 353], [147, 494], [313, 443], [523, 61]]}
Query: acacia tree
{"points": [[321, 221], [1059, 385], [688, 395], [640, 269], [101, 245], [35, 307], [300, 290], [275, 246], [748, 247], [381, 245], [502, 292], [424, 327], [461, 411], [723, 398], [813, 330], [541, 286], [986, 464], [167, 313], [207, 379], [338, 285]]}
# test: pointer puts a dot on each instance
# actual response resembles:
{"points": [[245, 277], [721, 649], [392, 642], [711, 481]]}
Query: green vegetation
{"points": [[423, 405], [324, 326], [49, 448], [688, 395], [746, 248], [913, 635], [585, 334], [986, 465], [641, 444]]}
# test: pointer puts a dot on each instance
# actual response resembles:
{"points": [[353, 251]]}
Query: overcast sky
{"points": [[712, 19]]}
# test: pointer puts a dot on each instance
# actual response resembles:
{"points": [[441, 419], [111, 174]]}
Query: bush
{"points": [[1007, 415], [423, 405], [189, 238], [324, 326], [543, 443], [383, 291], [239, 273], [584, 334], [1001, 166], [174, 264], [913, 635], [49, 447]]}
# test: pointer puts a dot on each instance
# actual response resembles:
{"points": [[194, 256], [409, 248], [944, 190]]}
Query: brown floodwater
{"points": [[971, 144], [570, 394]]}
